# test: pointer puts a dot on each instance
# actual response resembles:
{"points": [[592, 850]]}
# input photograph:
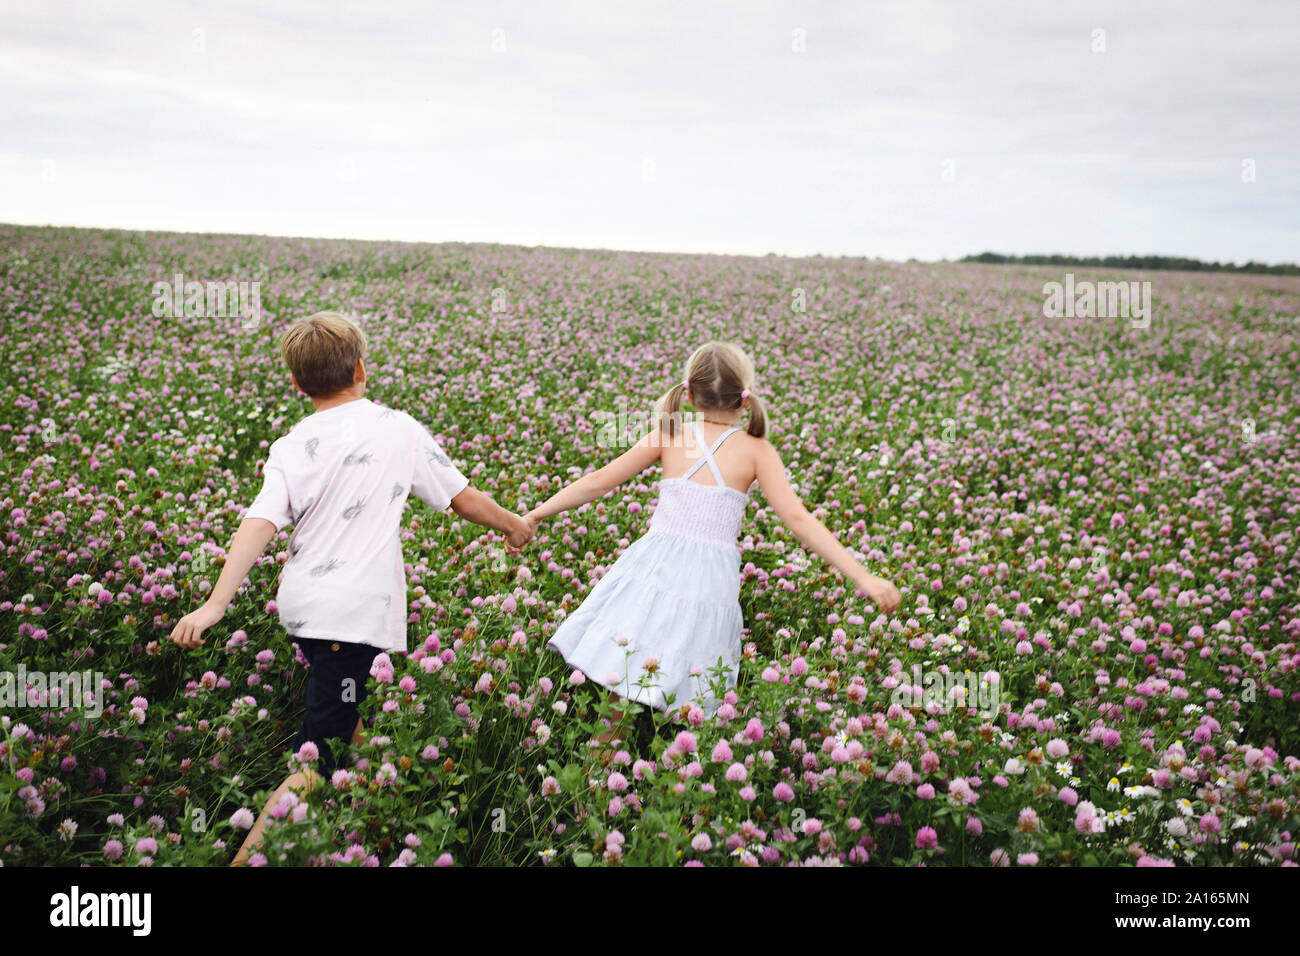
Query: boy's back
{"points": [[341, 477]]}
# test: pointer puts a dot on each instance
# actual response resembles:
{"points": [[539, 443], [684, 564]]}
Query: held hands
{"points": [[188, 631], [523, 531]]}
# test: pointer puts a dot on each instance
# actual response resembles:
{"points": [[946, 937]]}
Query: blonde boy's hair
{"points": [[322, 351]]}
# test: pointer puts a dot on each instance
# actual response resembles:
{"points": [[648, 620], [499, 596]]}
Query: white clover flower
{"points": [[1141, 791]]}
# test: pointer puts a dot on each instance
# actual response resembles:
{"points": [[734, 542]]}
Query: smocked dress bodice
{"points": [[688, 509]]}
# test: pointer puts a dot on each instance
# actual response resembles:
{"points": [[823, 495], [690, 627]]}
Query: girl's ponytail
{"points": [[757, 417], [669, 411]]}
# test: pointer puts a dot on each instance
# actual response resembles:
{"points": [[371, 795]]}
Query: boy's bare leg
{"points": [[297, 782]]}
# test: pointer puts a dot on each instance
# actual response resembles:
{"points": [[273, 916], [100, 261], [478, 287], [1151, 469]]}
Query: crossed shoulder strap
{"points": [[706, 452]]}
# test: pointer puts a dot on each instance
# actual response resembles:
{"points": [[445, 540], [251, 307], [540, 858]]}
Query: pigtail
{"points": [[757, 417], [669, 410]]}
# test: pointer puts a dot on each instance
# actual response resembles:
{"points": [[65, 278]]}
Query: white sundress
{"points": [[674, 595]]}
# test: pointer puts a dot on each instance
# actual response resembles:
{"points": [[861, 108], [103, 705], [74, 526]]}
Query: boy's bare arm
{"points": [[473, 505], [250, 541]]}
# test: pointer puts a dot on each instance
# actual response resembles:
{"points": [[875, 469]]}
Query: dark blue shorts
{"points": [[335, 689]]}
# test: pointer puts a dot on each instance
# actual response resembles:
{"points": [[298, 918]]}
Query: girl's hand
{"points": [[883, 594]]}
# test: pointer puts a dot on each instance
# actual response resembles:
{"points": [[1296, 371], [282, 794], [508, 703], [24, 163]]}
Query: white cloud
{"points": [[399, 120]]}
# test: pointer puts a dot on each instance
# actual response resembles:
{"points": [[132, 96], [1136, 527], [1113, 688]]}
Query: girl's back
{"points": [[736, 458]]}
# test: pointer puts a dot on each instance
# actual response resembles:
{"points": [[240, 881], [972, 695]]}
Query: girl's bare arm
{"points": [[776, 488], [601, 482]]}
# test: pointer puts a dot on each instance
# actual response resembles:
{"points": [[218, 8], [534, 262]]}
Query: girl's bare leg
{"points": [[604, 744]]}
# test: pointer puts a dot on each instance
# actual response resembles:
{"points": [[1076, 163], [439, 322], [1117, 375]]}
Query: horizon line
{"points": [[670, 252]]}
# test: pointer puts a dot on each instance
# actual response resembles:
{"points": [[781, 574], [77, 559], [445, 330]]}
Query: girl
{"points": [[668, 608]]}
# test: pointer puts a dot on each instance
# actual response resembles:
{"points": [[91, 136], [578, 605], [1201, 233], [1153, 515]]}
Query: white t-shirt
{"points": [[341, 477]]}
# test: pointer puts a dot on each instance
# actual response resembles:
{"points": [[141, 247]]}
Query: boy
{"points": [[340, 477]]}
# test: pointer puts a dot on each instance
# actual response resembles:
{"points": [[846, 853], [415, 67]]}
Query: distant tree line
{"points": [[1137, 262]]}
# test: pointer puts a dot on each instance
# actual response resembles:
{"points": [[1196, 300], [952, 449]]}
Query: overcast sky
{"points": [[926, 129]]}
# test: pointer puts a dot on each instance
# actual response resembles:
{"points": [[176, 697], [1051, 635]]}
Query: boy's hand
{"points": [[188, 631], [883, 594], [521, 534]]}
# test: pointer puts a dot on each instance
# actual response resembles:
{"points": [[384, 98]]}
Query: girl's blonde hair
{"points": [[718, 375], [322, 352]]}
